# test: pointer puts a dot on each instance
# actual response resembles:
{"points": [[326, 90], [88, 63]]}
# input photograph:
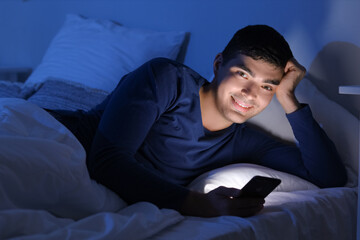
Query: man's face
{"points": [[244, 86]]}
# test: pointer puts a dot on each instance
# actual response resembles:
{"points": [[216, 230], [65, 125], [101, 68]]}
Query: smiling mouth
{"points": [[240, 106]]}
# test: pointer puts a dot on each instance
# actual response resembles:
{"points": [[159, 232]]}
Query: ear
{"points": [[217, 62]]}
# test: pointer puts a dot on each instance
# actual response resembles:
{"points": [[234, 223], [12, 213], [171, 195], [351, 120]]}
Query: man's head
{"points": [[260, 42], [247, 73]]}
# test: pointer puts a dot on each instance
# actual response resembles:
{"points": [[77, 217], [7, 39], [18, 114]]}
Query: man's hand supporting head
{"points": [[285, 92]]}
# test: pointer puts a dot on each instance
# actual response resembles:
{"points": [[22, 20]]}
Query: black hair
{"points": [[260, 42]]}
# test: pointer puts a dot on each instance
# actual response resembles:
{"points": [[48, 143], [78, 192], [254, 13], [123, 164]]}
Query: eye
{"points": [[242, 74], [267, 88]]}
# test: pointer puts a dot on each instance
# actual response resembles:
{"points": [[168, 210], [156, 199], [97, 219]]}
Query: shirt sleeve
{"points": [[130, 111], [315, 157]]}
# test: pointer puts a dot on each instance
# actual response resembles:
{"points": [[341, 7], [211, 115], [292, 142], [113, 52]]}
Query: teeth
{"points": [[241, 104]]}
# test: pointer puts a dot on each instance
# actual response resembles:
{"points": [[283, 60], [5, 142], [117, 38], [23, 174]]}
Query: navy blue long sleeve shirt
{"points": [[150, 141]]}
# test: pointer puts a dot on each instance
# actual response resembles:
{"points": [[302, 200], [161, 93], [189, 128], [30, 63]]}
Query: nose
{"points": [[249, 91]]}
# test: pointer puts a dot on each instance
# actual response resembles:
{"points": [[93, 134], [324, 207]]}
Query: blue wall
{"points": [[27, 27]]}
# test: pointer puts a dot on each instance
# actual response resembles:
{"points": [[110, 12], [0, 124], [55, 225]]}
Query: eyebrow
{"points": [[242, 66], [269, 81], [273, 82]]}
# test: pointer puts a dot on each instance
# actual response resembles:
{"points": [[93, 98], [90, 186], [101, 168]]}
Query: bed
{"points": [[46, 191]]}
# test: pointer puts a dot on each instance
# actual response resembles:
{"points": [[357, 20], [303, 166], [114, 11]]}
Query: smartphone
{"points": [[259, 187]]}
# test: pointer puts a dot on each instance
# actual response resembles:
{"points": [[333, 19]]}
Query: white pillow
{"points": [[339, 124], [42, 165], [237, 175], [97, 53]]}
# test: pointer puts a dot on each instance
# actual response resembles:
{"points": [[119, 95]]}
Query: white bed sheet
{"points": [[312, 214], [138, 221], [78, 208]]}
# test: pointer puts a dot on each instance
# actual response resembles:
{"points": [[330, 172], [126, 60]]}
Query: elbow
{"points": [[333, 173], [92, 168], [342, 178], [337, 178]]}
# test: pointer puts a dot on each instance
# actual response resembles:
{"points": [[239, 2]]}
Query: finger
{"points": [[244, 202], [229, 192], [241, 206], [298, 65], [288, 65], [293, 65]]}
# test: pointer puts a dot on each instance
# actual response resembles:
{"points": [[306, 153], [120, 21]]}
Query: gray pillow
{"points": [[67, 95], [15, 90]]}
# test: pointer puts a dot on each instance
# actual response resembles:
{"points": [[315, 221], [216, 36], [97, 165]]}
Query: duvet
{"points": [[46, 193]]}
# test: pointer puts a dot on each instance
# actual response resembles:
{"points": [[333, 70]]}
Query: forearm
{"points": [[134, 183], [314, 158], [318, 152], [318, 156], [121, 173], [288, 101]]}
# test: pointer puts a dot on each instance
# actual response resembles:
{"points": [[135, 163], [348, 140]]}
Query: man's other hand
{"points": [[222, 201]]}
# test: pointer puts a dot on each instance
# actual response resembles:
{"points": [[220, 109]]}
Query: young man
{"points": [[164, 125]]}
